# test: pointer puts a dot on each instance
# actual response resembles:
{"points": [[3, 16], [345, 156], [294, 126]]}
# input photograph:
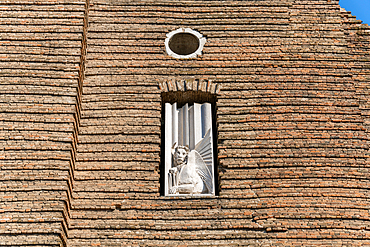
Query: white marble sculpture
{"points": [[189, 150]]}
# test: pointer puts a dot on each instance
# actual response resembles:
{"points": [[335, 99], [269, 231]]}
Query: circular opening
{"points": [[184, 43]]}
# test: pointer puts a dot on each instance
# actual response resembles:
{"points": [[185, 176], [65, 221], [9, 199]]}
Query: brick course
{"points": [[80, 128]]}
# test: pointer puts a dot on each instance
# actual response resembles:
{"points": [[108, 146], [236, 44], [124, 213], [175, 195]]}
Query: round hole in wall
{"points": [[184, 43]]}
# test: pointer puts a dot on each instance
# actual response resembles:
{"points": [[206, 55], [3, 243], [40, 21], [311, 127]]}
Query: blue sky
{"points": [[359, 8]]}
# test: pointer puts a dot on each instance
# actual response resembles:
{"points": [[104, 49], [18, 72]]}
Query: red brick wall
{"points": [[292, 120], [40, 51]]}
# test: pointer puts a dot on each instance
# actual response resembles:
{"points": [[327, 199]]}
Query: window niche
{"points": [[189, 148]]}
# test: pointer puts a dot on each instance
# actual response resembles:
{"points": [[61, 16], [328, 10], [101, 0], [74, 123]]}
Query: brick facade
{"points": [[80, 123]]}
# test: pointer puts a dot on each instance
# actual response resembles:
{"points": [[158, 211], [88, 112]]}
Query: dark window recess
{"points": [[184, 43]]}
